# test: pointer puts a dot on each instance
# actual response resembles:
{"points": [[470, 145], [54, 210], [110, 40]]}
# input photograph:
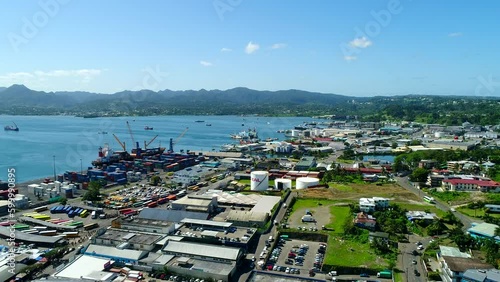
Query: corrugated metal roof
{"points": [[106, 251], [170, 215], [202, 250], [206, 222]]}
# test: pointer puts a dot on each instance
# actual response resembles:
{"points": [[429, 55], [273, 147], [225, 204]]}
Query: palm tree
{"points": [[497, 231]]}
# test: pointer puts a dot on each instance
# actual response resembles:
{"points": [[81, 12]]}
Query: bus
{"points": [[40, 209], [91, 226], [429, 199], [76, 223], [84, 213], [42, 217], [70, 234]]}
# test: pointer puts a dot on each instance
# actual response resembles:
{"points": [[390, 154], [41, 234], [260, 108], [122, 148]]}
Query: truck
{"points": [[308, 218], [384, 274]]}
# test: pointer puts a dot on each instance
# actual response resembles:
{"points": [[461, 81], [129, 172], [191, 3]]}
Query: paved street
{"points": [[406, 259], [405, 183]]}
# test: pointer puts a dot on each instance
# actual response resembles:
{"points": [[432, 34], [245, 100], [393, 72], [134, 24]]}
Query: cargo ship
{"points": [[11, 128]]}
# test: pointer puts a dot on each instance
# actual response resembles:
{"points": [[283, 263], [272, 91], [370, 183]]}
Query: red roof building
{"points": [[470, 185]]}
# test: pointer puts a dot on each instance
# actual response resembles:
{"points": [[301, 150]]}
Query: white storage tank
{"points": [[282, 183], [259, 180], [306, 182]]}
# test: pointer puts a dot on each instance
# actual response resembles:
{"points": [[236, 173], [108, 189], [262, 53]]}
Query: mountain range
{"points": [[20, 100]]}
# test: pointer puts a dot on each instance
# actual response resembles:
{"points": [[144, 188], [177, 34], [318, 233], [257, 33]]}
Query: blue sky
{"points": [[360, 48]]}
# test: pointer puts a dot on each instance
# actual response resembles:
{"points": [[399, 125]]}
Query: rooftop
{"points": [[83, 266], [98, 250], [202, 265], [254, 216], [21, 236], [170, 215], [235, 234], [484, 229], [266, 204], [489, 183], [202, 250], [452, 252], [190, 201], [133, 237], [206, 223], [482, 274], [459, 264]]}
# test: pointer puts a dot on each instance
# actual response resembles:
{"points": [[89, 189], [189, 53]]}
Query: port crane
{"points": [[172, 142], [122, 144], [146, 144]]}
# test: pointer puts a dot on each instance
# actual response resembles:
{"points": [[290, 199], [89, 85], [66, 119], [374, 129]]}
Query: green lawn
{"points": [[339, 215], [340, 187], [310, 203], [450, 196], [417, 207], [351, 254], [398, 277], [477, 213]]}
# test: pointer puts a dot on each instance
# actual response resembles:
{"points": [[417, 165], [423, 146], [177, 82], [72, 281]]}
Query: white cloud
{"points": [[361, 42], [206, 64], [82, 75], [226, 50], [455, 34], [278, 46], [350, 58], [251, 47]]}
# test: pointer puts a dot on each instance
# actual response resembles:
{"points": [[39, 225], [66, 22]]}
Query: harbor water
{"points": [[72, 143]]}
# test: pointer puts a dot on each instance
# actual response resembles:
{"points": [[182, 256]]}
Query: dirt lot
{"points": [[321, 214], [353, 192]]}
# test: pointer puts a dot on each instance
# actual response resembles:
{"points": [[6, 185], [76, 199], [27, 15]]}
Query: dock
{"points": [[217, 154]]}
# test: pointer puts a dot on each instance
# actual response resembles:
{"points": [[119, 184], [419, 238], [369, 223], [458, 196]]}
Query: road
{"points": [[407, 259], [405, 183]]}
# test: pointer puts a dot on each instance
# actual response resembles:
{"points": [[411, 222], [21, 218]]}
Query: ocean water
{"points": [[72, 143]]}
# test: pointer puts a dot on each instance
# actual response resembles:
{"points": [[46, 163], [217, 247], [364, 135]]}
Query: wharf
{"points": [[217, 154]]}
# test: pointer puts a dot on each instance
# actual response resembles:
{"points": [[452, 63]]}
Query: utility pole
{"points": [[81, 166]]}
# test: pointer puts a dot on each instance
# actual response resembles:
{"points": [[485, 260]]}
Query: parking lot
{"points": [[295, 257]]}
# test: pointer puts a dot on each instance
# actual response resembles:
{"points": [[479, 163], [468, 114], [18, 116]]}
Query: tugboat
{"points": [[11, 128]]}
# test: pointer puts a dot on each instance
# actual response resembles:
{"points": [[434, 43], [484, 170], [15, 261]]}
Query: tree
{"points": [[94, 191], [419, 175], [436, 228], [63, 201], [155, 180]]}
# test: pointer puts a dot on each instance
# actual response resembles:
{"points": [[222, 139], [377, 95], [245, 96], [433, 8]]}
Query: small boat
{"points": [[102, 132], [148, 128], [11, 128], [208, 124], [199, 121]]}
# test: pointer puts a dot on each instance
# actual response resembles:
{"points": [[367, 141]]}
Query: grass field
{"points": [[477, 213], [354, 191], [339, 215], [310, 203], [351, 253]]}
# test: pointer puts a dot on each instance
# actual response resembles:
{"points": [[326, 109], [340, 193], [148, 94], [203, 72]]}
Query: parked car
{"points": [[364, 275]]}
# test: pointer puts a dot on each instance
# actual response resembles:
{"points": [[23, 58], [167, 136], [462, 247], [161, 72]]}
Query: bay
{"points": [[73, 141]]}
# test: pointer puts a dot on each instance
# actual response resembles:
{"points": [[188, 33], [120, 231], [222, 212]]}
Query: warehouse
{"points": [[87, 267], [118, 255], [196, 204], [129, 239], [204, 252]]}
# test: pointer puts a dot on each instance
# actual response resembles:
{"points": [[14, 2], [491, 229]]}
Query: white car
{"points": [[420, 247]]}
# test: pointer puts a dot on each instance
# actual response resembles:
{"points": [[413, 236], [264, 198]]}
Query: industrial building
{"points": [[39, 240], [306, 163], [87, 268], [196, 203], [125, 239], [203, 251], [170, 215], [248, 218], [115, 254], [201, 269], [144, 225]]}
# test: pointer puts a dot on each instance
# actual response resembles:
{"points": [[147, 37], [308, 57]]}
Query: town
{"points": [[336, 200]]}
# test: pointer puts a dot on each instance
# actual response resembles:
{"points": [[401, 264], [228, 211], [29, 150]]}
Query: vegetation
{"points": [[340, 175], [450, 196], [93, 192], [419, 175]]}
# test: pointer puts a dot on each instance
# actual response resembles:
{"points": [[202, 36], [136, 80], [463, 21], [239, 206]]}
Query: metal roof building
{"points": [[203, 251], [86, 267], [483, 230], [39, 240], [119, 255], [170, 215]]}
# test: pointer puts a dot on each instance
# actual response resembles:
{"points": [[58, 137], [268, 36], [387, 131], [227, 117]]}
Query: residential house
{"points": [[369, 205], [366, 221]]}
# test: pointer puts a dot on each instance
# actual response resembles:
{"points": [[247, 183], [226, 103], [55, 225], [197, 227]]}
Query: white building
{"points": [[371, 204]]}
